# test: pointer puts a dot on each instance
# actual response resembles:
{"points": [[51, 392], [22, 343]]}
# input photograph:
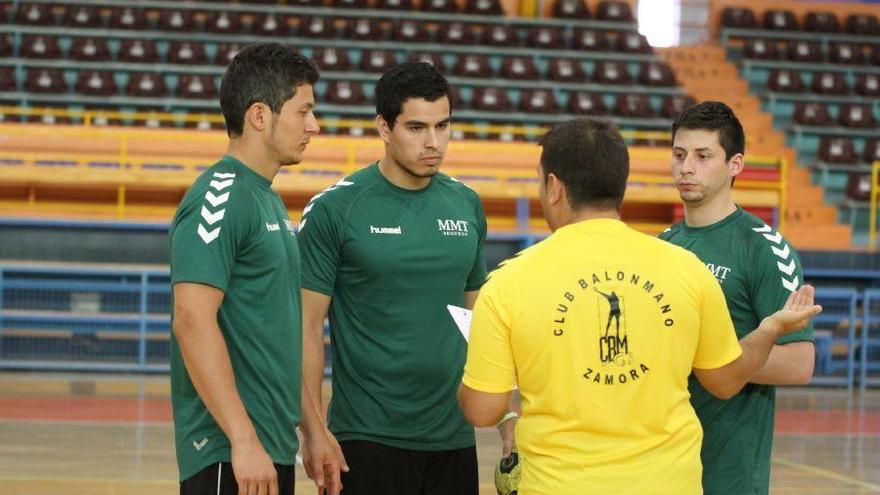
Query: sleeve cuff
{"points": [[482, 386], [718, 363]]}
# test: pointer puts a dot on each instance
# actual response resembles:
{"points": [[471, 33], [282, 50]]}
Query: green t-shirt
{"points": [[392, 259], [232, 232], [757, 269]]}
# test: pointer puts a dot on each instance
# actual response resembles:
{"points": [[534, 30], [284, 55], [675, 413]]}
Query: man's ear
{"points": [[383, 128], [555, 190], [258, 116], [736, 165]]}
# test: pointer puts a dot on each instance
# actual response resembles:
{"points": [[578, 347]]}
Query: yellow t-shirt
{"points": [[599, 326]]}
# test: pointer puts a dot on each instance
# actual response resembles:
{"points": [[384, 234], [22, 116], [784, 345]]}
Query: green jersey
{"points": [[392, 259], [232, 232], [757, 270]]}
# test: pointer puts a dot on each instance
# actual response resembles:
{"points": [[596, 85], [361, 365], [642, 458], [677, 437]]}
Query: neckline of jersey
{"points": [[724, 222], [592, 224], [397, 189], [247, 171]]}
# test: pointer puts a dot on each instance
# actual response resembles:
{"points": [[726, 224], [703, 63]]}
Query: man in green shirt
{"points": [[237, 337], [385, 250], [757, 269]]}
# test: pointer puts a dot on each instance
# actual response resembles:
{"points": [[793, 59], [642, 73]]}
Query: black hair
{"points": [[405, 81], [714, 116]]}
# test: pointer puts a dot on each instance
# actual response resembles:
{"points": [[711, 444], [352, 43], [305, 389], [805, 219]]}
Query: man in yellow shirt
{"points": [[599, 327]]}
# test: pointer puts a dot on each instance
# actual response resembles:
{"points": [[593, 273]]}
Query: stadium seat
{"points": [[740, 18], [868, 85], [570, 9], [812, 113], [177, 20], [829, 83], [226, 52], [7, 79], [633, 42], [332, 59], [589, 40], [856, 116], [45, 81], [545, 38], [761, 49], [858, 187], [187, 53], [845, 53], [363, 29], [411, 31], [821, 22], [614, 11], [565, 70], [349, 4], [377, 61], [138, 51], [35, 14], [433, 58], [586, 103], [317, 27], [674, 104], [48, 115], [270, 24], [151, 119], [82, 16], [39, 46], [483, 7], [804, 51], [837, 150], [499, 35], [455, 98], [445, 6], [92, 49], [609, 72], [456, 33], [780, 20], [96, 83], [6, 47], [872, 150], [490, 99], [344, 93], [475, 66], [656, 74], [198, 86], [785, 81], [875, 55], [128, 18], [394, 4], [223, 22], [538, 101], [862, 24], [634, 105], [519, 69], [146, 84]]}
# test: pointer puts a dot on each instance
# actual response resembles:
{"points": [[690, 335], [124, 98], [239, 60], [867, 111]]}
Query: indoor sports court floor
{"points": [[107, 435]]}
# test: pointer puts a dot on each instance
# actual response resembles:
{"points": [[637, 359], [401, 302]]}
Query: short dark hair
{"points": [[590, 157], [405, 81], [714, 116], [264, 73]]}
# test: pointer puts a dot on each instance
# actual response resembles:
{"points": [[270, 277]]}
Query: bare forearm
{"points": [[788, 364], [207, 361], [312, 376]]}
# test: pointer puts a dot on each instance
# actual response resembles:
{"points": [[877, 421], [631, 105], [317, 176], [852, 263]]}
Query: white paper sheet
{"points": [[462, 319]]}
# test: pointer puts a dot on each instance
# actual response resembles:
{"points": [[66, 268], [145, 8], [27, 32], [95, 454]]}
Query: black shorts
{"points": [[379, 469], [218, 479]]}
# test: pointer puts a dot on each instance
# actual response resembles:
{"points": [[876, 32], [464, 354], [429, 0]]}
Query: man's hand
{"points": [[795, 314], [323, 461], [508, 440], [253, 468]]}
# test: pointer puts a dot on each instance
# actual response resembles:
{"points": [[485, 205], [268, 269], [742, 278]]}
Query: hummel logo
{"points": [[272, 227], [386, 230], [200, 445]]}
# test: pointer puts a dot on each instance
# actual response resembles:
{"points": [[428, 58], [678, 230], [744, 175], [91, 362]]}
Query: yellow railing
{"points": [[875, 204]]}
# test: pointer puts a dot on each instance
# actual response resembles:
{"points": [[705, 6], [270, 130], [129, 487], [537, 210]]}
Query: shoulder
{"points": [[341, 193], [219, 188], [759, 237], [671, 232], [455, 186]]}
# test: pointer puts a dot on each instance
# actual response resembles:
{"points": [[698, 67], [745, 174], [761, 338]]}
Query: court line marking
{"points": [[826, 473]]}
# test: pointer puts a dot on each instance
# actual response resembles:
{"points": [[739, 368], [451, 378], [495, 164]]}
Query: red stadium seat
{"points": [[377, 61], [656, 74], [813, 114], [49, 115], [394, 4], [635, 105], [186, 52], [586, 103], [868, 85], [433, 58], [447, 6], [856, 116], [270, 24], [872, 150], [785, 81], [546, 38], [455, 98], [837, 150], [519, 68], [565, 70], [146, 84], [97, 83], [499, 35], [608, 72], [780, 20], [570, 9], [332, 58], [476, 66], [363, 29], [39, 46], [614, 11], [35, 14], [736, 17], [761, 49], [875, 55], [92, 49], [317, 27], [6, 45], [804, 51], [673, 105], [177, 20], [490, 99], [862, 24], [483, 7], [223, 22], [589, 40], [845, 53], [411, 31], [82, 16], [349, 4], [138, 51], [197, 86], [128, 18], [226, 52], [858, 187], [7, 79], [45, 81], [829, 83], [633, 42], [538, 101], [344, 93], [821, 22]]}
